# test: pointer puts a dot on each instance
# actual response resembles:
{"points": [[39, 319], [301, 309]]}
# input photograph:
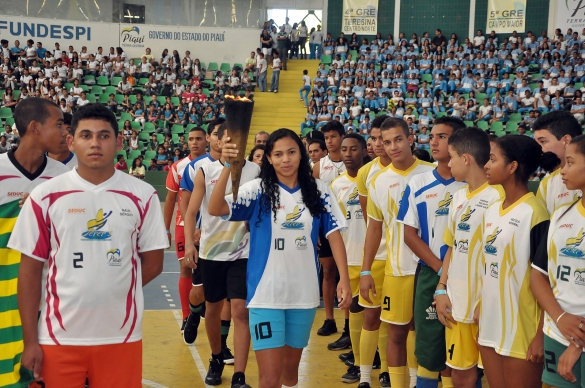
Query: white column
{"points": [[396, 20], [471, 31], [552, 16], [325, 9]]}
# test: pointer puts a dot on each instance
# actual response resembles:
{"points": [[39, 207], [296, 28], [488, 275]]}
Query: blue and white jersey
{"points": [[427, 208], [283, 266], [189, 174]]}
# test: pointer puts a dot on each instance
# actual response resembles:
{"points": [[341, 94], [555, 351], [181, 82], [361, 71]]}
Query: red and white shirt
{"points": [[173, 182], [90, 238]]}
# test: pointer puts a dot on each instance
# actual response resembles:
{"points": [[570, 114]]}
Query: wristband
{"points": [[560, 316], [226, 164], [440, 272], [186, 245], [439, 292], [443, 284], [168, 231], [365, 273]]}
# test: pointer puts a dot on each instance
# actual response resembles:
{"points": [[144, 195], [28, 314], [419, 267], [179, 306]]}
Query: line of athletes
{"points": [[461, 244]]}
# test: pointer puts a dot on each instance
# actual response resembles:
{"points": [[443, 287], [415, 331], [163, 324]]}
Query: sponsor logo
{"points": [[94, 227], [213, 181], [76, 211], [514, 222], [490, 240], [326, 168], [566, 226], [353, 197], [431, 313], [359, 215], [463, 225], [131, 37], [15, 193], [443, 209], [301, 243], [291, 219], [571, 246], [462, 245], [562, 195], [394, 185], [432, 195], [126, 213], [580, 276], [494, 270], [114, 259]]}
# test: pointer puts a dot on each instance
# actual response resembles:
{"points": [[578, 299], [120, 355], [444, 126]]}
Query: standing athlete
{"points": [[424, 211], [91, 226], [66, 157], [41, 129], [327, 169], [385, 193], [190, 298]]}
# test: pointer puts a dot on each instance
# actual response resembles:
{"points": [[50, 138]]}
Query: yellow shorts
{"points": [[397, 302], [378, 275], [462, 348], [354, 279]]}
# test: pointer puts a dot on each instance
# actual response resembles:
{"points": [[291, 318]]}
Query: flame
{"points": [[238, 98]]}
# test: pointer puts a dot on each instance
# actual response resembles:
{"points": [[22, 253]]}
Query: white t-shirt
{"points": [[283, 264], [276, 64], [306, 80], [329, 170], [91, 235], [262, 62], [478, 40]]}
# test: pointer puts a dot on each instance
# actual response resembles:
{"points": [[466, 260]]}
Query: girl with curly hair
{"points": [[286, 208]]}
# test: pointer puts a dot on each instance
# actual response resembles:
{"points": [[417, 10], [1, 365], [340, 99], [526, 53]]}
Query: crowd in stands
{"points": [[501, 85], [156, 99]]}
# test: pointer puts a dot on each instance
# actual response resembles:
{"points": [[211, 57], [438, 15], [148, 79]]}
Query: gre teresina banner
{"points": [[570, 14], [360, 16], [505, 16]]}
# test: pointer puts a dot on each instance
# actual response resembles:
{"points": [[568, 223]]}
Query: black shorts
{"points": [[325, 248], [196, 274], [223, 279]]}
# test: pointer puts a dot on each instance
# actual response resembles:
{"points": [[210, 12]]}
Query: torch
{"points": [[238, 114]]}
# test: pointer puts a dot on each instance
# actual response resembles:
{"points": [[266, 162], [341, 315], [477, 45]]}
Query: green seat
{"points": [[178, 128], [184, 82], [149, 127], [175, 137], [89, 79], [16, 95], [202, 64], [225, 67], [147, 100], [326, 59], [134, 154], [426, 77], [515, 117], [5, 113], [483, 125], [96, 89], [441, 114], [144, 136], [354, 54], [205, 91], [238, 65], [135, 125], [102, 80], [536, 76], [116, 81], [121, 124], [142, 81], [84, 88], [578, 85], [204, 126], [468, 123], [119, 98], [68, 86], [137, 61], [161, 100], [10, 121], [90, 97], [160, 138], [110, 90], [533, 86], [497, 126], [149, 155], [176, 101], [213, 66], [126, 116], [512, 126], [191, 126], [132, 98], [480, 97], [499, 133]]}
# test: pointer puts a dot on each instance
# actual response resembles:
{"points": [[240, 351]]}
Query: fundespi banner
{"points": [[206, 43], [505, 16], [570, 14], [360, 16]]}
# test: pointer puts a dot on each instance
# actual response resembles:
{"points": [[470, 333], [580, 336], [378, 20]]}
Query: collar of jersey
{"points": [[443, 181], [350, 178], [288, 189], [522, 199], [471, 194], [580, 208], [408, 170], [24, 171]]}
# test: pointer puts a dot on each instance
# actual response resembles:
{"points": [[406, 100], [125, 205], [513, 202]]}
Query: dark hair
{"points": [[134, 162], [321, 143], [198, 129], [392, 122], [522, 149], [94, 111], [221, 130], [378, 121], [473, 141], [550, 161], [422, 155], [270, 200], [256, 148], [67, 117], [453, 122], [214, 123], [333, 125], [559, 123], [32, 109], [360, 139], [579, 141]]}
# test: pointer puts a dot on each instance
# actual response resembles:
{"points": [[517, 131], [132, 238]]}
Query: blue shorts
{"points": [[274, 328]]}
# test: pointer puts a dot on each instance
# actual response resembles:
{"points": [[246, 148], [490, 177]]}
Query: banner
{"points": [[506, 16], [208, 44], [570, 14], [360, 16]]}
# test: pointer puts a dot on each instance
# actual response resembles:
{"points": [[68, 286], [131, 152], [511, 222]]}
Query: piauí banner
{"points": [[570, 14]]}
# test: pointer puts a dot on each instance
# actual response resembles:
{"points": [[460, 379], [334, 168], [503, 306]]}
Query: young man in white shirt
{"points": [[261, 65], [276, 65], [96, 225]]}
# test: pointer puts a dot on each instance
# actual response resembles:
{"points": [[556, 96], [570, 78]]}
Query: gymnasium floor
{"points": [[168, 362]]}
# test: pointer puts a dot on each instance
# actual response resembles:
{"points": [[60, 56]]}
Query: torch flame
{"points": [[238, 98]]}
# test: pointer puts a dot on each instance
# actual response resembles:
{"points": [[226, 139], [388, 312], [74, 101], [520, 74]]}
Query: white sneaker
{"points": [[276, 91]]}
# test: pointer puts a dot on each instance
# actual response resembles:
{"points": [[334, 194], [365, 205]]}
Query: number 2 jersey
{"points": [[283, 266], [510, 315], [563, 262], [91, 238]]}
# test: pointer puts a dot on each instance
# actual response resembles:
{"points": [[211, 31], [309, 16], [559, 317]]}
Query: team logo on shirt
{"points": [[463, 225], [580, 276], [114, 259], [291, 219], [494, 269], [353, 197], [462, 245], [301, 243], [431, 313], [443, 209], [94, 227], [359, 215], [490, 240], [571, 246]]}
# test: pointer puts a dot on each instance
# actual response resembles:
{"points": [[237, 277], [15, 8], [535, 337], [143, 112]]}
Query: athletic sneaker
{"points": [[352, 375], [364, 385], [190, 330], [344, 342], [214, 373], [228, 357], [202, 311], [329, 327], [377, 363], [346, 356], [183, 325], [239, 380], [385, 379]]}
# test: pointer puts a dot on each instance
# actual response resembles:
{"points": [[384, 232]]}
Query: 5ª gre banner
{"points": [[505, 16], [360, 16]]}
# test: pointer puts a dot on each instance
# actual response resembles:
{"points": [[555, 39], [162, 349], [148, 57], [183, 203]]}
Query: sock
{"points": [[239, 377], [185, 286], [346, 327], [225, 330], [411, 358], [447, 382], [368, 345], [195, 309], [356, 322], [478, 383], [218, 357], [398, 376], [383, 345], [426, 378]]}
